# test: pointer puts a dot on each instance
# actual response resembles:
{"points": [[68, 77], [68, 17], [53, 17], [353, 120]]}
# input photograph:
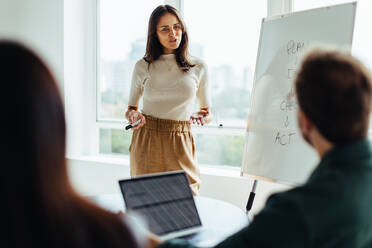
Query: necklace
{"points": [[169, 67]]}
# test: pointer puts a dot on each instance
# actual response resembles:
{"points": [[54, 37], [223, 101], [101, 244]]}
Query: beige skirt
{"points": [[164, 145]]}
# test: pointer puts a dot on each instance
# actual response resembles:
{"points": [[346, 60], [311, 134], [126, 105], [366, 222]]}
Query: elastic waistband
{"points": [[154, 123]]}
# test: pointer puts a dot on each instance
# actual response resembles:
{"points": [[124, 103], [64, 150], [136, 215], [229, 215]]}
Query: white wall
{"points": [[62, 32], [39, 25], [96, 176], [80, 75]]}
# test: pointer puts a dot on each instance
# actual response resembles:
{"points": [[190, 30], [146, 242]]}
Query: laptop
{"points": [[165, 201]]}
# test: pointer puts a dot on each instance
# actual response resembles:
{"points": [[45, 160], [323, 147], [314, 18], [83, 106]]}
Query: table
{"points": [[220, 219]]}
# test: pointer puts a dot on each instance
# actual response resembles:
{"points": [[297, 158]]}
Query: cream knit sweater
{"points": [[167, 91]]}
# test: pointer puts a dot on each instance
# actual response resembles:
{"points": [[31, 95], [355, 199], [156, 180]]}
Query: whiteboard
{"points": [[274, 149]]}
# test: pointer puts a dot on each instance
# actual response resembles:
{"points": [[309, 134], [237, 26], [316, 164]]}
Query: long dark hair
{"points": [[154, 48], [41, 207]]}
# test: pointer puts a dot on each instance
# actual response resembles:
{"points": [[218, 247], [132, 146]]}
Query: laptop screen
{"points": [[165, 200]]}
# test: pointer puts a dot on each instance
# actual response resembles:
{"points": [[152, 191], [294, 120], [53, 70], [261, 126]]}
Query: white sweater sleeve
{"points": [[203, 93], [139, 77]]}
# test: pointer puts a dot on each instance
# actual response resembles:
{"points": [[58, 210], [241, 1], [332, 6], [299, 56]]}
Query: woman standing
{"points": [[168, 79]]}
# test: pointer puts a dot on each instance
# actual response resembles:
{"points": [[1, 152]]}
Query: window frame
{"points": [[274, 7]]}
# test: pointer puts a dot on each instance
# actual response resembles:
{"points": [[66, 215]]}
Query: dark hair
{"points": [[334, 91], [41, 208], [154, 48]]}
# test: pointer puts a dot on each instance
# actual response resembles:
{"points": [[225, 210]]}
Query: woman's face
{"points": [[169, 32]]}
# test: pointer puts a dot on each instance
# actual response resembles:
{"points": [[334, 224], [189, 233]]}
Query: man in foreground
{"points": [[333, 208]]}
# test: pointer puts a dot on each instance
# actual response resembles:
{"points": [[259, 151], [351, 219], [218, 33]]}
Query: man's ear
{"points": [[304, 121]]}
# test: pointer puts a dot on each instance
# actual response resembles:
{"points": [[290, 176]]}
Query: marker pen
{"points": [[133, 124], [251, 197]]}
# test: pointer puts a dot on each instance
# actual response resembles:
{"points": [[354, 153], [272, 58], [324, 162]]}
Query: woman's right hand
{"points": [[133, 116]]}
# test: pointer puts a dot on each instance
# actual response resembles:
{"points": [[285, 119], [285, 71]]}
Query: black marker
{"points": [[251, 197], [133, 124]]}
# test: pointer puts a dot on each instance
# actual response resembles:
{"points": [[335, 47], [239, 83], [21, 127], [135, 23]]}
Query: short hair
{"points": [[334, 91]]}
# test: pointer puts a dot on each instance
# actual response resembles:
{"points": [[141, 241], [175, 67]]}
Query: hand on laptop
{"points": [[152, 239]]}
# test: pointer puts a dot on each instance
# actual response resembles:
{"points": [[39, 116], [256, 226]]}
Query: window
{"points": [[225, 35], [227, 40], [122, 41]]}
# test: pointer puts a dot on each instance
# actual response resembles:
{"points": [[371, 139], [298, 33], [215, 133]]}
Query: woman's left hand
{"points": [[199, 117]]}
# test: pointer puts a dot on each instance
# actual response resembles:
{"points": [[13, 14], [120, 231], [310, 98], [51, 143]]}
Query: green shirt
{"points": [[332, 209]]}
